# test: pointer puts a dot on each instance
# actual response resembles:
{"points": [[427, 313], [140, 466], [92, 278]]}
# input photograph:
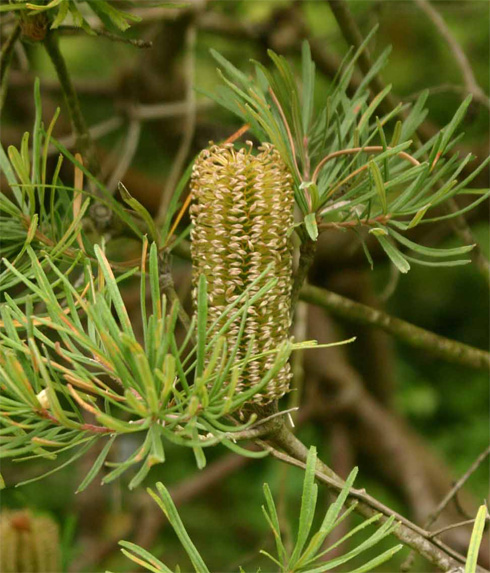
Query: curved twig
{"points": [[354, 150]]}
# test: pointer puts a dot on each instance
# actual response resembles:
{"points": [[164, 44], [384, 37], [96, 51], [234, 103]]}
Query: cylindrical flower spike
{"points": [[28, 544], [242, 213]]}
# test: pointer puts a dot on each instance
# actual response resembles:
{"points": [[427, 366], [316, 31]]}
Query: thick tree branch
{"points": [[445, 348]]}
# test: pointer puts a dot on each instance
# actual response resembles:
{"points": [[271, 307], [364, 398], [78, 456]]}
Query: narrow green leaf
{"points": [[394, 254], [36, 137], [138, 208], [166, 504], [140, 474], [430, 251], [451, 127], [60, 16], [308, 505], [419, 215], [273, 519], [97, 465], [308, 68], [152, 563], [311, 226], [329, 520], [202, 319], [114, 291], [383, 558], [380, 186], [475, 541]]}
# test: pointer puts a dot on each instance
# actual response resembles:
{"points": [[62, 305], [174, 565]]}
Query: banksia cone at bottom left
{"points": [[28, 543], [242, 214]]}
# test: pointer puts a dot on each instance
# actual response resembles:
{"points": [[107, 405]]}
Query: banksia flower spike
{"points": [[28, 543], [242, 214]]}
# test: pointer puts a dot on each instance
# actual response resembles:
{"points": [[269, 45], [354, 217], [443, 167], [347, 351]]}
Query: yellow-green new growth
{"points": [[242, 214]]}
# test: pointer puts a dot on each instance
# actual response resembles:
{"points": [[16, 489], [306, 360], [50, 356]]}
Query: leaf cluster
{"points": [[309, 552], [68, 348], [81, 357], [353, 166], [58, 11], [46, 214]]}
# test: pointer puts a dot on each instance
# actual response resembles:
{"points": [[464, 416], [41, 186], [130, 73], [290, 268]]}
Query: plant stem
{"points": [[307, 252], [353, 36], [410, 534], [5, 60], [471, 85], [450, 350], [83, 138]]}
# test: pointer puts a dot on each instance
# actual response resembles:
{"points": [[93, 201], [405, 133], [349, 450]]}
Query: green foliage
{"points": [[57, 11], [67, 344], [57, 364], [308, 554], [476, 539], [47, 215], [352, 167]]}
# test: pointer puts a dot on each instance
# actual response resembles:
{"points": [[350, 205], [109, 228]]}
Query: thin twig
{"points": [[410, 534], [451, 495], [462, 61], [452, 526], [353, 36], [162, 110], [189, 125], [137, 43], [441, 346], [129, 150], [381, 219], [354, 150], [97, 131], [457, 486], [5, 61], [83, 139]]}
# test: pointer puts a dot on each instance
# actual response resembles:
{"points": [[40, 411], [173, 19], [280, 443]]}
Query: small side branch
{"points": [[436, 552], [457, 486], [136, 42], [445, 348], [353, 36], [84, 141], [462, 61], [5, 60], [189, 124], [306, 255], [452, 494]]}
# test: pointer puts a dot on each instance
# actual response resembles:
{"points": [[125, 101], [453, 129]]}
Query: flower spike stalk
{"points": [[242, 213]]}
